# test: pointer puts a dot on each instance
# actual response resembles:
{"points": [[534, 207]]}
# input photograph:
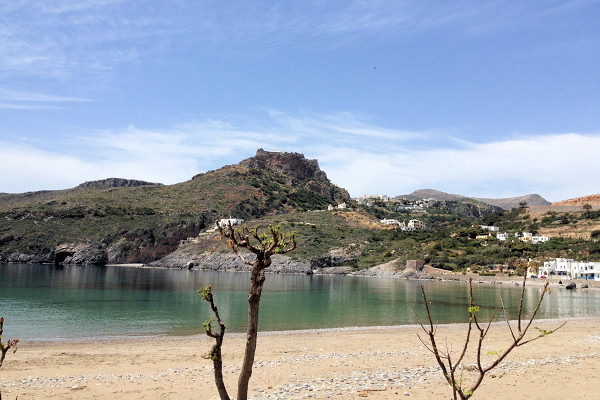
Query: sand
{"points": [[372, 363]]}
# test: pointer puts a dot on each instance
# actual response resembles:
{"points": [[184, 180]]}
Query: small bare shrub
{"points": [[450, 365]]}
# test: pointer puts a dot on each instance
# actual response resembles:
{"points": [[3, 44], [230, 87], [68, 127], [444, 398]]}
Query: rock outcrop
{"points": [[337, 256], [295, 169], [116, 182], [80, 253], [214, 261]]}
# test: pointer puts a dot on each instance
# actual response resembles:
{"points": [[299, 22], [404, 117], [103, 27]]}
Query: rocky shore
{"points": [[214, 261]]}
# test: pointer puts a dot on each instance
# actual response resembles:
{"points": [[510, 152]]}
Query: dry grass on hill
{"points": [[593, 200]]}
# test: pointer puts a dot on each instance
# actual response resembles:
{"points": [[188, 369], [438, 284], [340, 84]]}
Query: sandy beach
{"points": [[348, 363]]}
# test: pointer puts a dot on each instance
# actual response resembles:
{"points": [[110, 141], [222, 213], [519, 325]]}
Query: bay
{"points": [[44, 302]]}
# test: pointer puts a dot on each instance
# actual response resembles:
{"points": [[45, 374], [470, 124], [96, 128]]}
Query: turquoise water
{"points": [[43, 302]]}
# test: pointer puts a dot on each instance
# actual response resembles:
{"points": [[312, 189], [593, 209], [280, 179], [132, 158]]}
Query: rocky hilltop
{"points": [[118, 220], [115, 182]]}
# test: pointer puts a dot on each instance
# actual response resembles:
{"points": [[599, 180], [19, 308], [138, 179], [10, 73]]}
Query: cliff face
{"points": [[116, 182], [296, 170], [291, 165]]}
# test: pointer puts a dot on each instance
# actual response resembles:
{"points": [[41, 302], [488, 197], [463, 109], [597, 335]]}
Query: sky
{"points": [[479, 98]]}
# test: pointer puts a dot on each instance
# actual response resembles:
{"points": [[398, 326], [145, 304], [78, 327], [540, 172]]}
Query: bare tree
{"points": [[263, 246], [215, 353], [450, 366], [4, 347]]}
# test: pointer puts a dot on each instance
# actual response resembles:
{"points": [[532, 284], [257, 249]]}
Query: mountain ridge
{"points": [[124, 220], [504, 203]]}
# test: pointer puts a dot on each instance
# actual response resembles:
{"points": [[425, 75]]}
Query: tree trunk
{"points": [[257, 279], [218, 367]]}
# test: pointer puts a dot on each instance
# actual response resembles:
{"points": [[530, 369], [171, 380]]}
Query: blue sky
{"points": [[479, 98]]}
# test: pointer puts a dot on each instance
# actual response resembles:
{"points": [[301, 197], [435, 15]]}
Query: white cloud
{"points": [[557, 166], [24, 100]]}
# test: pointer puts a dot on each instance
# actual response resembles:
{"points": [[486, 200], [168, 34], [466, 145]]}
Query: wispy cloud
{"points": [[62, 40], [24, 100], [557, 166]]}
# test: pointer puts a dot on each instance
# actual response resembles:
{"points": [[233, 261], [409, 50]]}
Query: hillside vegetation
{"points": [[143, 223], [124, 221]]}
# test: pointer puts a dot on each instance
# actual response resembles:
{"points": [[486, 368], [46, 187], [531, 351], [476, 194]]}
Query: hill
{"points": [[504, 203], [592, 200], [514, 202], [125, 221], [120, 220]]}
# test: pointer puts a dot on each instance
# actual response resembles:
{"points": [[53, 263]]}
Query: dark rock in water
{"points": [[571, 286]]}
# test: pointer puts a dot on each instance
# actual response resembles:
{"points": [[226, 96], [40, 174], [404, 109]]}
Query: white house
{"points": [[340, 206], [571, 269], [390, 222], [502, 236], [224, 222], [490, 228], [539, 239]]}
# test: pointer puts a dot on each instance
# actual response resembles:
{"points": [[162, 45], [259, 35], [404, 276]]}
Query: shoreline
{"points": [[428, 272], [291, 332], [349, 363]]}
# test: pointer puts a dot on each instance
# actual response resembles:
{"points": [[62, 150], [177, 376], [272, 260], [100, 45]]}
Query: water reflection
{"points": [[44, 302]]}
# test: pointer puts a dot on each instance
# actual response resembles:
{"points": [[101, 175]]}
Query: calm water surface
{"points": [[43, 302]]}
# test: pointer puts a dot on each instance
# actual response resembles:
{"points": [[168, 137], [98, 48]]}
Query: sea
{"points": [[48, 303]]}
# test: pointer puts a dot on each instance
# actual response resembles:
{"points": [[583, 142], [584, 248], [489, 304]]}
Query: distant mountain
{"points": [[431, 193], [513, 202], [505, 203]]}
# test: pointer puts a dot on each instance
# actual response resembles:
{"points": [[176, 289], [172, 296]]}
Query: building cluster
{"points": [[522, 236], [416, 205], [412, 225], [368, 199], [568, 268]]}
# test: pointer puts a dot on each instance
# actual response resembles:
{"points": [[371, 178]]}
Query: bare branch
{"points": [[521, 303], [215, 353], [506, 318], [542, 334], [449, 367]]}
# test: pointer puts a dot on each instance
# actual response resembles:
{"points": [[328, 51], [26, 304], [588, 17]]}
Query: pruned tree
{"points": [[4, 347], [452, 369], [215, 353], [263, 246]]}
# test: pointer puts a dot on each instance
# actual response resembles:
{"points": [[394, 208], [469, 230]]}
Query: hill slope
{"points": [[592, 200], [117, 220], [504, 203]]}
